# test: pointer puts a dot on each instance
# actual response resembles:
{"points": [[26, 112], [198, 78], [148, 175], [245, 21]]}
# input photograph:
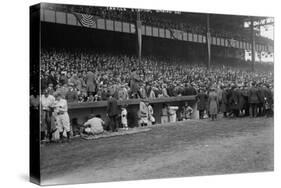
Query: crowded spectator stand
{"points": [[88, 79]]}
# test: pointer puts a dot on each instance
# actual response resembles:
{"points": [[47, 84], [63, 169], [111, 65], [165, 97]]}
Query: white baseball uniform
{"points": [[124, 120], [62, 117]]}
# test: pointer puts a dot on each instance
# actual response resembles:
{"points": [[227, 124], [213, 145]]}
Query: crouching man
{"points": [[94, 125], [61, 116]]}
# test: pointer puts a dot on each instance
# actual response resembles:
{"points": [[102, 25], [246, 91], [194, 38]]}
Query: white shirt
{"points": [[47, 102], [173, 109], [96, 124]]}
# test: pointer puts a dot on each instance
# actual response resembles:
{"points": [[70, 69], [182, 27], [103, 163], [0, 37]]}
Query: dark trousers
{"points": [[113, 123], [261, 109], [225, 114], [247, 111], [201, 114], [46, 120], [269, 112], [253, 110], [236, 112]]}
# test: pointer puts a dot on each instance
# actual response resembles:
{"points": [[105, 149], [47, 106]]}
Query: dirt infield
{"points": [[174, 150]]}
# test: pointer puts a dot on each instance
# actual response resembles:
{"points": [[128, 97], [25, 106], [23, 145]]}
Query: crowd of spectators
{"points": [[88, 76], [78, 76]]}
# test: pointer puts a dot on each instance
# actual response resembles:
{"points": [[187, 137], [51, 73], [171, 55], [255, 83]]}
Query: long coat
{"points": [[269, 96], [234, 99], [224, 102], [112, 107], [261, 94], [213, 103], [219, 92], [241, 99], [202, 99], [253, 95]]}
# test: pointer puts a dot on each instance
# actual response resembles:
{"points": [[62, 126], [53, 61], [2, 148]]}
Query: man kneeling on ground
{"points": [[94, 125]]}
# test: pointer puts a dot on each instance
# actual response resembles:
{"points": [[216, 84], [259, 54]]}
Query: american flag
{"points": [[86, 20]]}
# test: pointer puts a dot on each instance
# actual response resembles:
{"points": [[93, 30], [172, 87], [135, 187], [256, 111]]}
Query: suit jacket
{"points": [[269, 96], [261, 94], [202, 99], [112, 107], [253, 95], [234, 99], [224, 102], [219, 92]]}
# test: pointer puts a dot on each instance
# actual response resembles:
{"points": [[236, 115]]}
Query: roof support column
{"points": [[253, 44], [208, 41]]}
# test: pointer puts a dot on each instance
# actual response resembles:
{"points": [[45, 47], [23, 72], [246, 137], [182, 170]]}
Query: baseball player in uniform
{"points": [[62, 117], [124, 120]]}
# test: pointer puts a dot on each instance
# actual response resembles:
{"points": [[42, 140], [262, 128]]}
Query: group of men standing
{"points": [[237, 100], [54, 117], [232, 100]]}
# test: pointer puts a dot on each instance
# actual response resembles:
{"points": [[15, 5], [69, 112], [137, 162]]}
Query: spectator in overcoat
{"points": [[234, 100], [213, 103], [261, 97], [202, 99], [253, 100], [224, 102], [112, 112], [91, 83], [134, 84]]}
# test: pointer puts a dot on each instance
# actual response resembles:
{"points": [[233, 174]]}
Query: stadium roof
{"points": [[218, 22]]}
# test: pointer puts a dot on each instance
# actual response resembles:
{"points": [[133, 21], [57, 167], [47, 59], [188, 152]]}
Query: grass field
{"points": [[189, 148]]}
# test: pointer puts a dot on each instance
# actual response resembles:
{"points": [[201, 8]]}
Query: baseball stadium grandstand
{"points": [[126, 69], [170, 51]]}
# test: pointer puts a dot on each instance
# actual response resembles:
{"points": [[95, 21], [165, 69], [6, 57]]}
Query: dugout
{"points": [[80, 111]]}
